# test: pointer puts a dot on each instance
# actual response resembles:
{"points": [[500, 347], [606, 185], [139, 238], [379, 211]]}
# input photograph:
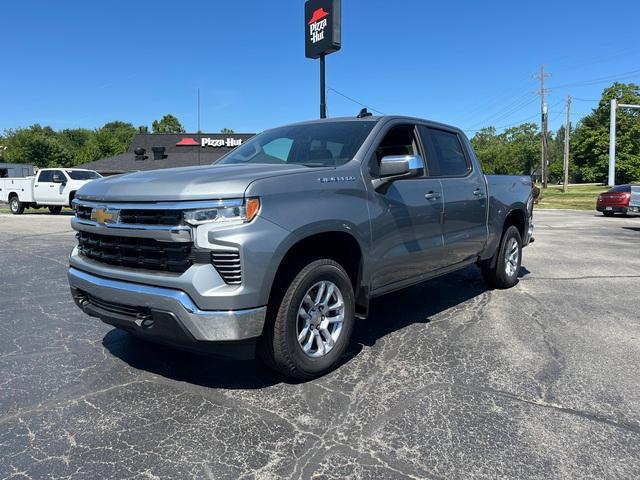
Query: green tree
{"points": [[590, 141], [113, 138], [514, 151], [167, 124], [36, 145], [227, 131], [143, 129]]}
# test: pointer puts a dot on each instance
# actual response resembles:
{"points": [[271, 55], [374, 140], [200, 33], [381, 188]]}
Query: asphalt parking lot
{"points": [[444, 380]]}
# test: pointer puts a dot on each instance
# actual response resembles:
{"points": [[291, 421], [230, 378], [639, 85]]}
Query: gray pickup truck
{"points": [[280, 245]]}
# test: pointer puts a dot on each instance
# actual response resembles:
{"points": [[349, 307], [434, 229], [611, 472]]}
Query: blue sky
{"points": [[80, 64]]}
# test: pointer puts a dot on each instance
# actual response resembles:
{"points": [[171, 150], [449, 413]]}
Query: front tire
{"points": [[55, 210], [16, 206], [504, 273], [310, 321]]}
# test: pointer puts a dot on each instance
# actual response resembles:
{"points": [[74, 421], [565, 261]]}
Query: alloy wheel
{"points": [[511, 257], [320, 318]]}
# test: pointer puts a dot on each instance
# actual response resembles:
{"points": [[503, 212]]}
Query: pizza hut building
{"points": [[152, 151]]}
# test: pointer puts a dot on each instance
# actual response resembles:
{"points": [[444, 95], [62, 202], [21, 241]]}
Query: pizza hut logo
{"points": [[317, 25], [191, 142]]}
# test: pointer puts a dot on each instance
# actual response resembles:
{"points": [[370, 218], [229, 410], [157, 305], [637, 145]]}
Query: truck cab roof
{"points": [[380, 118]]}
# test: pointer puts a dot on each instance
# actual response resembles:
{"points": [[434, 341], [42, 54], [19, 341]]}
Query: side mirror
{"points": [[58, 179], [394, 167], [401, 165]]}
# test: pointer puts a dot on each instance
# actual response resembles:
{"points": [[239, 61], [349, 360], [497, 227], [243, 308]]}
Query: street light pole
{"points": [[612, 138], [612, 143]]}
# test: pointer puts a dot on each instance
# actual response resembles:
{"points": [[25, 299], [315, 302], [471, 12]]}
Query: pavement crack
{"points": [[58, 402]]}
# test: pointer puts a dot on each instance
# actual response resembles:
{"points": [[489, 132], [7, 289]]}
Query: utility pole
{"points": [[567, 133], [544, 156]]}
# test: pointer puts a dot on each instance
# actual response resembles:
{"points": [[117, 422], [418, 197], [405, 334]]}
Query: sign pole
{"points": [[322, 36], [323, 89]]}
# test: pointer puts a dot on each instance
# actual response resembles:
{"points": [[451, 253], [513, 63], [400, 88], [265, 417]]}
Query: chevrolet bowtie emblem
{"points": [[103, 215]]}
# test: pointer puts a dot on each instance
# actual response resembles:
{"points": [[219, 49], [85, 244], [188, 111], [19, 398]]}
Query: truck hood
{"points": [[189, 183]]}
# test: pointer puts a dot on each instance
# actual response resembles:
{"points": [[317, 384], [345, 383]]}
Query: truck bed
{"points": [[22, 186]]}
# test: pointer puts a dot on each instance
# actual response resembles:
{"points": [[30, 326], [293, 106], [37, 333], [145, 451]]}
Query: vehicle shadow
{"points": [[635, 229], [203, 370], [416, 304], [389, 313]]}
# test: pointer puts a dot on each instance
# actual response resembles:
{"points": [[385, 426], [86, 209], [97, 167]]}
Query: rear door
{"points": [[405, 217], [464, 193]]}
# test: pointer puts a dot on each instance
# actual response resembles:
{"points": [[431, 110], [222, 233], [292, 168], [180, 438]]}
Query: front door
{"points": [[44, 190], [405, 217], [464, 192], [59, 192]]}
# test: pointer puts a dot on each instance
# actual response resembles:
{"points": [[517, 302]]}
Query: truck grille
{"points": [[83, 212], [136, 252], [151, 217], [227, 263], [139, 216]]}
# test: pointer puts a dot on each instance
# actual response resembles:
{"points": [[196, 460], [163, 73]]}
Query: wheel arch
{"points": [[518, 218], [338, 245]]}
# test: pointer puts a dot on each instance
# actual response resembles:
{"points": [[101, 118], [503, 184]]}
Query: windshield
{"points": [[312, 145], [83, 174]]}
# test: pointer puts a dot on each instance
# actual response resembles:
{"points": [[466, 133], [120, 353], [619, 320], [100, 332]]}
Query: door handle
{"points": [[477, 192], [432, 195]]}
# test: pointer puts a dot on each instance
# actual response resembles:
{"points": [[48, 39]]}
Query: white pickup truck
{"points": [[51, 187], [634, 200]]}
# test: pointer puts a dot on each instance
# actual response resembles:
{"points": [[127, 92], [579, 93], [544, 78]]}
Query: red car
{"points": [[615, 200]]}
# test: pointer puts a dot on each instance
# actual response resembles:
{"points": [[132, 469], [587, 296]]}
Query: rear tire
{"points": [[504, 273], [607, 213], [55, 210], [16, 206], [310, 321]]}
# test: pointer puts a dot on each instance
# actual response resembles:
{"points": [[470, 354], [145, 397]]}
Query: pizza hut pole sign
{"points": [[322, 35]]}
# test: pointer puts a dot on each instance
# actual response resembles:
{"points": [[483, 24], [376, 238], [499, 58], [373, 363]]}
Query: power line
{"points": [[606, 79], [521, 102], [331, 89], [504, 126]]}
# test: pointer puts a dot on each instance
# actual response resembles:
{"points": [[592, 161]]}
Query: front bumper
{"points": [[162, 314]]}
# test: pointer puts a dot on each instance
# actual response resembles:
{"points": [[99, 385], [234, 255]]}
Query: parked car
{"points": [[614, 200], [281, 244], [53, 188], [634, 200]]}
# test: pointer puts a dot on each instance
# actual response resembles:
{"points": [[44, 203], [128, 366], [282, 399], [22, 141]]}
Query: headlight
{"points": [[226, 212]]}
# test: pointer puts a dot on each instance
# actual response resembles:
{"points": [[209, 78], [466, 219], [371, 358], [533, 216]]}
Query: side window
{"points": [[45, 176], [279, 148], [399, 140], [449, 159]]}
